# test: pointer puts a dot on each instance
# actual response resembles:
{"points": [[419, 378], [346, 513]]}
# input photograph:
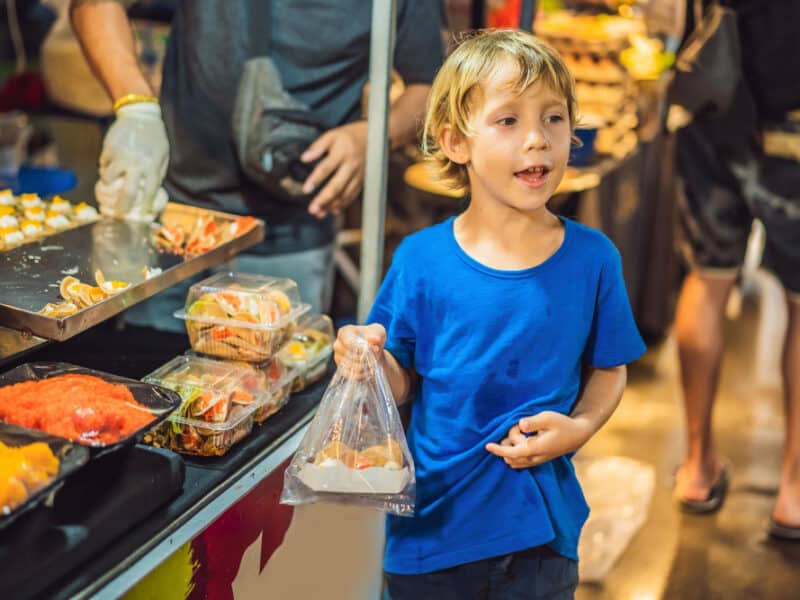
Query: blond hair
{"points": [[466, 69]]}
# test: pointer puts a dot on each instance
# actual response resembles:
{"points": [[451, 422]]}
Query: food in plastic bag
{"points": [[355, 451], [308, 350], [241, 317], [618, 490]]}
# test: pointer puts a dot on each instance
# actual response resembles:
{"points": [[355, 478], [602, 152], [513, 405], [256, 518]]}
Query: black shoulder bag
{"points": [[271, 129]]}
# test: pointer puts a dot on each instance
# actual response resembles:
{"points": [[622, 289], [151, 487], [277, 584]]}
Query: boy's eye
{"points": [[554, 119], [507, 121]]}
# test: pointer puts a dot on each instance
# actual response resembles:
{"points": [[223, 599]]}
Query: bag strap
{"points": [[260, 17]]}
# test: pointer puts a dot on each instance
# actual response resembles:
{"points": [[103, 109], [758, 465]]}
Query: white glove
{"points": [[133, 164]]}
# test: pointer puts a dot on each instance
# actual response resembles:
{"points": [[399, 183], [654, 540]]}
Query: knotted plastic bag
{"points": [[354, 451]]}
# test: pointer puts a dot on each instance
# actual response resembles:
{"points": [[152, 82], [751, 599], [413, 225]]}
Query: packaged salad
{"points": [[219, 400], [240, 316], [308, 349]]}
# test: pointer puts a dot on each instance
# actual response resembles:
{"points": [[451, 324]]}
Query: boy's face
{"points": [[520, 147]]}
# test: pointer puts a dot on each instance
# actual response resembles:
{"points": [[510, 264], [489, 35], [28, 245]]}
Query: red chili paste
{"points": [[81, 408]]}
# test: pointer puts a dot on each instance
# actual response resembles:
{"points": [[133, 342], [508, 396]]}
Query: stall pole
{"points": [[384, 17]]}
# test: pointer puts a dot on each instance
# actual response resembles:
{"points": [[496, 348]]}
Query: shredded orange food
{"points": [[81, 408]]}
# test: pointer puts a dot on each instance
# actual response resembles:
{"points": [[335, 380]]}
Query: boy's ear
{"points": [[454, 146]]}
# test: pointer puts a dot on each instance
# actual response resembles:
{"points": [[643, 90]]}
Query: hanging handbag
{"points": [[271, 129], [708, 66]]}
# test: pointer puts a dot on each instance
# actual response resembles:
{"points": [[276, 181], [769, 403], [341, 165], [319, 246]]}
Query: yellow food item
{"points": [[24, 471]]}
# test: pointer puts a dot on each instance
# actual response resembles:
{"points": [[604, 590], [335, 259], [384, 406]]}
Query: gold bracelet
{"points": [[132, 99]]}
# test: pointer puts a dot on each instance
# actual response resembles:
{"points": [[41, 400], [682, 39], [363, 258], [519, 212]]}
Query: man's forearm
{"points": [[399, 378], [600, 397], [107, 39], [405, 117]]}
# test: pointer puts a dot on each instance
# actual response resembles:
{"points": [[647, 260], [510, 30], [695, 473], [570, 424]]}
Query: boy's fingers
{"points": [[516, 436], [534, 423], [375, 334], [507, 451]]}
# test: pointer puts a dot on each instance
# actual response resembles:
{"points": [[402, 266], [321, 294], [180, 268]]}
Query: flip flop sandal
{"points": [[783, 532], [715, 498]]}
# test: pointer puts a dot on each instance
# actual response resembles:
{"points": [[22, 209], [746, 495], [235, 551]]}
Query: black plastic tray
{"points": [[71, 458], [159, 400], [96, 507]]}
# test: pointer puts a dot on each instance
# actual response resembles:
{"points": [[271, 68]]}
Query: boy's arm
{"points": [[557, 434], [400, 378], [600, 397]]}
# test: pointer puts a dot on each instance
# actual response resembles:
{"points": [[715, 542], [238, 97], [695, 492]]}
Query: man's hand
{"points": [[551, 435], [133, 164], [344, 153]]}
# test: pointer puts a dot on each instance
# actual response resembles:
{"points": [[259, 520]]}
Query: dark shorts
{"points": [[724, 192], [526, 575]]}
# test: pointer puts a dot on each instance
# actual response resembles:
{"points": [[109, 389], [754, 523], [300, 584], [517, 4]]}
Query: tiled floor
{"points": [[725, 555]]}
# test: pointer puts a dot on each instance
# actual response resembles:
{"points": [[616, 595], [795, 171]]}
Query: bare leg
{"points": [[699, 331], [787, 507]]}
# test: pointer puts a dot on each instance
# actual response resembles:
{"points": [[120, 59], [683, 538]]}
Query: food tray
{"points": [[346, 480], [161, 402], [239, 316], [71, 458], [219, 400], [31, 273]]}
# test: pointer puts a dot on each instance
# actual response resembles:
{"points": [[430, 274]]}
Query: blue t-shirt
{"points": [[492, 347]]}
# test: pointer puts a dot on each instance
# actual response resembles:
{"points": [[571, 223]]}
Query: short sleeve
{"points": [[418, 52], [393, 308], [614, 339]]}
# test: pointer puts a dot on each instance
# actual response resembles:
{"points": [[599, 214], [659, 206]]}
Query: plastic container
{"points": [[269, 379], [21, 492], [308, 349], [219, 400], [240, 316], [107, 425]]}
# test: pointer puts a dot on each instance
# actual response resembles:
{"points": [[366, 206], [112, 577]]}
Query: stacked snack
{"points": [[27, 218], [258, 324], [241, 317], [219, 402]]}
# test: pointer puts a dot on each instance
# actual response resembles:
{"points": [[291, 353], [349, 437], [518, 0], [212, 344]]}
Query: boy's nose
{"points": [[536, 140]]}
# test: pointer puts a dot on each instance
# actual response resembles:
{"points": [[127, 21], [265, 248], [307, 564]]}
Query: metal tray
{"points": [[31, 273], [71, 457], [159, 400]]}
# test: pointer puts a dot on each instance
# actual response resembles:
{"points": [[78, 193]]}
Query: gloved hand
{"points": [[133, 164]]}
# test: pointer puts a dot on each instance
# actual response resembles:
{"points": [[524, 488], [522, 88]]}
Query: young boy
{"points": [[510, 327]]}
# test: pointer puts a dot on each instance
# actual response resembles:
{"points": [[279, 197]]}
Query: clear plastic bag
{"points": [[354, 451]]}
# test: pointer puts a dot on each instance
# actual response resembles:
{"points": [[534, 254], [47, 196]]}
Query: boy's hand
{"points": [[551, 435], [346, 347]]}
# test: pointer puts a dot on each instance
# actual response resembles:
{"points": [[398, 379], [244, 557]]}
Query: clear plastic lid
{"points": [[310, 343], [215, 395], [244, 300]]}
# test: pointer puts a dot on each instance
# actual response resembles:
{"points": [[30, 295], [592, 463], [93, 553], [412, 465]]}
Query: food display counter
{"points": [[108, 523]]}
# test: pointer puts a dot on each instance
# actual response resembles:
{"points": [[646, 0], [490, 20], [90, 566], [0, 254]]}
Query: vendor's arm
{"points": [[344, 353], [135, 152], [343, 151], [548, 435], [105, 33]]}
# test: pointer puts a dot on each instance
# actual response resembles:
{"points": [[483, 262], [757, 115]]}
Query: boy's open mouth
{"points": [[533, 176]]}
